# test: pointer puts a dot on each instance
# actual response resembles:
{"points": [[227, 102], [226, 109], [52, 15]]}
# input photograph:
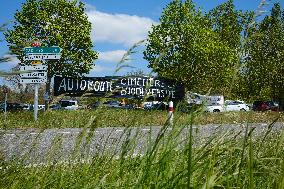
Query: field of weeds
{"points": [[128, 118], [228, 160]]}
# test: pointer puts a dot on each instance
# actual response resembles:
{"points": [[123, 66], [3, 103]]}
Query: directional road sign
{"points": [[36, 62], [33, 68], [30, 81], [42, 50], [42, 56], [36, 74]]}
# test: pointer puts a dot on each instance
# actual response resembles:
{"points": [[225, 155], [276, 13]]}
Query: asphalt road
{"points": [[40, 146]]}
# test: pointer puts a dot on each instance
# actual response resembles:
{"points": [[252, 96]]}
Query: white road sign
{"points": [[42, 56], [33, 68], [35, 74], [30, 81]]}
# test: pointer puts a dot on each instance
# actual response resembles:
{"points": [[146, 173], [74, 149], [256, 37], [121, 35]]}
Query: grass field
{"points": [[128, 118], [223, 161]]}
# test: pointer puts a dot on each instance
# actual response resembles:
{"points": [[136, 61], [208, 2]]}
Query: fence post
{"points": [[171, 112]]}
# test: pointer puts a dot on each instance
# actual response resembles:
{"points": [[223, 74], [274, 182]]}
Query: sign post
{"points": [[5, 103], [36, 101], [37, 73], [171, 112]]}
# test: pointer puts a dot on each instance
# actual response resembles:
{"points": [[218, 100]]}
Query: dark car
{"points": [[111, 104], [55, 107], [11, 107], [156, 106], [265, 106]]}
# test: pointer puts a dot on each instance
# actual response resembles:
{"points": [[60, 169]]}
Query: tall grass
{"points": [[175, 157], [128, 118]]}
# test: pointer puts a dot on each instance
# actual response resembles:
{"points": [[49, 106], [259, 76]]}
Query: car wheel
{"points": [[216, 110]]}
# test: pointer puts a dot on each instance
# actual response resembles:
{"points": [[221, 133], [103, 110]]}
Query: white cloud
{"points": [[12, 59], [99, 68], [111, 56], [11, 63], [118, 28]]}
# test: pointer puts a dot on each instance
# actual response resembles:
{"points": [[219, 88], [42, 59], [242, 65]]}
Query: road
{"points": [[39, 146]]}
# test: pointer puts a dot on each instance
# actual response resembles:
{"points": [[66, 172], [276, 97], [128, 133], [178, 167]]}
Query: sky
{"points": [[116, 26]]}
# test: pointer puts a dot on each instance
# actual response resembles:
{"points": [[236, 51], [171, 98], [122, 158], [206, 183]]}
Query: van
{"points": [[195, 98]]}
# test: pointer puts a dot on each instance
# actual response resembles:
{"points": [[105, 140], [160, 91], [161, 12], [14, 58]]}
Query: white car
{"points": [[236, 105], [229, 105], [214, 108]]}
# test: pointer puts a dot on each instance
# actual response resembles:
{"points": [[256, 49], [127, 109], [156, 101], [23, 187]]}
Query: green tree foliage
{"points": [[184, 47], [60, 23], [232, 26], [228, 22], [264, 71]]}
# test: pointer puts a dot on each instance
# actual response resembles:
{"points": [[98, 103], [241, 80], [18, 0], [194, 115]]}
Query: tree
{"points": [[231, 26], [264, 69], [229, 23], [60, 23], [183, 47]]}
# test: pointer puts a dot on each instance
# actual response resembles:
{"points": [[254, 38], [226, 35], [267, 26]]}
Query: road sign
{"points": [[33, 68], [36, 62], [31, 81], [36, 44], [42, 50], [35, 74], [42, 56]]}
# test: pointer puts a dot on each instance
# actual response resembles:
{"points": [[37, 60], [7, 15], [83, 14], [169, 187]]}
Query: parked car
{"points": [[155, 105], [111, 104], [26, 106], [11, 107], [236, 105], [265, 105], [69, 104], [55, 107], [214, 108], [39, 107]]}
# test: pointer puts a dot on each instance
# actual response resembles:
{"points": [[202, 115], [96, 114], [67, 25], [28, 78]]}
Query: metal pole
{"points": [[171, 112], [36, 101], [5, 108]]}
